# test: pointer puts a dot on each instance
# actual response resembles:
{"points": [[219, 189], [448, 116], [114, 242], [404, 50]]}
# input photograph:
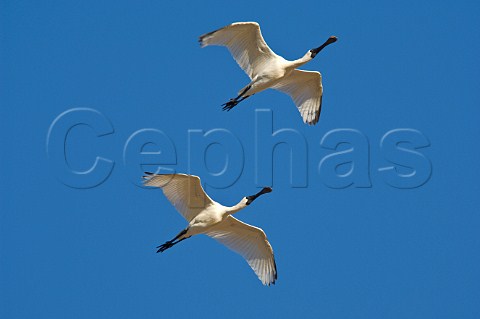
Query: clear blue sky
{"points": [[356, 252]]}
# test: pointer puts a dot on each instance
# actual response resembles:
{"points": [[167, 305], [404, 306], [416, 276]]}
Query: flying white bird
{"points": [[269, 70], [205, 216]]}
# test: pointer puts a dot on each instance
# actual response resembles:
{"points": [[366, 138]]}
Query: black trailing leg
{"points": [[231, 104], [172, 242]]}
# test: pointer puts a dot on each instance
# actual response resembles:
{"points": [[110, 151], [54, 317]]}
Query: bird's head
{"points": [[251, 198], [314, 52]]}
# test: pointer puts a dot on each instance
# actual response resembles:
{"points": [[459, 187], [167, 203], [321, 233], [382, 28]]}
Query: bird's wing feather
{"points": [[251, 243], [305, 89], [246, 44], [185, 192]]}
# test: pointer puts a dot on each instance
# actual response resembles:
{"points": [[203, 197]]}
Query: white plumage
{"points": [[269, 70], [206, 216]]}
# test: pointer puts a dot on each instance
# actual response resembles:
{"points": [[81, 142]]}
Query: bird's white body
{"points": [[206, 216], [210, 216], [269, 70]]}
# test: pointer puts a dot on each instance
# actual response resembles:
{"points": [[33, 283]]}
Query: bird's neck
{"points": [[247, 201], [299, 62], [241, 205]]}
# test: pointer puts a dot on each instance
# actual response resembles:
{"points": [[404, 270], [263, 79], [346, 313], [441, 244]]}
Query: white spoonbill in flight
{"points": [[205, 216], [269, 70]]}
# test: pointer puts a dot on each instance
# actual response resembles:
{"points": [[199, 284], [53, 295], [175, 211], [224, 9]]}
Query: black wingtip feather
{"points": [[147, 175]]}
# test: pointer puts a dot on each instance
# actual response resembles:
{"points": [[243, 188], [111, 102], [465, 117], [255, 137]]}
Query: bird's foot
{"points": [[229, 105], [164, 247]]}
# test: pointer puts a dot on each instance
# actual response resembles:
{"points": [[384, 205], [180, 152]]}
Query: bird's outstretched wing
{"points": [[185, 192], [251, 243], [305, 89], [245, 42]]}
